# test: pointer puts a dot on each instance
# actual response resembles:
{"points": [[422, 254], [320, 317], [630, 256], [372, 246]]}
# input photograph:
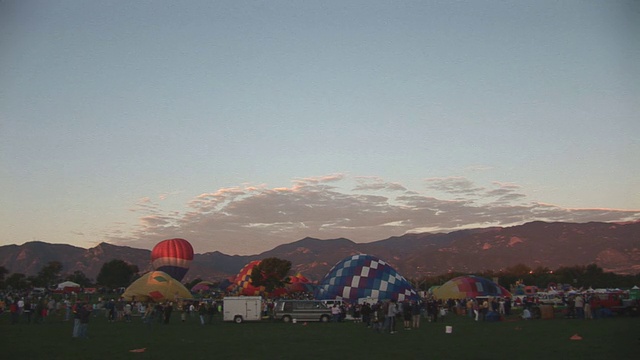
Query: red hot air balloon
{"points": [[173, 257]]}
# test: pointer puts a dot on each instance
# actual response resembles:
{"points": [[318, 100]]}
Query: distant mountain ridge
{"points": [[612, 246]]}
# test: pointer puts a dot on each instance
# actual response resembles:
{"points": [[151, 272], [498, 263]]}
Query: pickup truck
{"points": [[617, 302]]}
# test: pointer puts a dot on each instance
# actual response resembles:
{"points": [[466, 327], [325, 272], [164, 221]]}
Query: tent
{"points": [[67, 284], [470, 286], [156, 286], [364, 276]]}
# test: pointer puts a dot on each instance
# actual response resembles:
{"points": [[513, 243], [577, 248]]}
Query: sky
{"points": [[242, 125]]}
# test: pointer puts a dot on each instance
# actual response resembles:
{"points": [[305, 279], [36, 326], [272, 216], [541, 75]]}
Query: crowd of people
{"points": [[382, 316]]}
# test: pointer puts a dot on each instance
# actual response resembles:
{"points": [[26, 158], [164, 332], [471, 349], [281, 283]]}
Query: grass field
{"points": [[613, 338]]}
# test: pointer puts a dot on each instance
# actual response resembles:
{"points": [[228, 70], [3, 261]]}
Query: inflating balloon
{"points": [[364, 276], [243, 283], [470, 286], [156, 286], [172, 256]]}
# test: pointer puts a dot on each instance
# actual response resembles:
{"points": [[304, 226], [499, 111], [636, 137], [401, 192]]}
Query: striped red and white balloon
{"points": [[172, 256]]}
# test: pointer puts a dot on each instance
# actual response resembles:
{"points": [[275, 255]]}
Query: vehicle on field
{"points": [[301, 310], [617, 302], [38, 291], [549, 298], [241, 308]]}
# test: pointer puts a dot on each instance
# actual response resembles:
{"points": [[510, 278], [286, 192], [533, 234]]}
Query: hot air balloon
{"points": [[156, 286], [243, 283], [469, 287], [172, 256], [364, 276]]}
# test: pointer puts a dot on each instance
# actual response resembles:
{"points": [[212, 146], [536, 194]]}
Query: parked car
{"points": [[301, 310], [549, 298]]}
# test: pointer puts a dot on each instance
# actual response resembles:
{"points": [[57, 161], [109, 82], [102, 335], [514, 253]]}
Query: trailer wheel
{"points": [[237, 319], [324, 318], [286, 319]]}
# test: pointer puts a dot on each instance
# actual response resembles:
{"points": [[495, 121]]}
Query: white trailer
{"points": [[242, 308]]}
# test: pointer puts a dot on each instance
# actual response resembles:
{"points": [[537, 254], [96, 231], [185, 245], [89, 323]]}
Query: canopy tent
{"points": [[156, 286], [470, 286], [67, 284]]}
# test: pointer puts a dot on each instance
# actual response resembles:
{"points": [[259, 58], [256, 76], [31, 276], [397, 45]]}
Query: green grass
{"points": [[615, 338]]}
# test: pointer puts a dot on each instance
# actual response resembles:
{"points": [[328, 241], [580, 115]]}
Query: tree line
{"points": [[113, 274], [578, 276], [272, 273]]}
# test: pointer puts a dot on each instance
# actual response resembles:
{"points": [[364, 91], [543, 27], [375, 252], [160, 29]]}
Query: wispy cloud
{"points": [[249, 219]]}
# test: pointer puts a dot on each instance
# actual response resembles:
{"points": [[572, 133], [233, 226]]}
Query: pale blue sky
{"points": [[239, 125]]}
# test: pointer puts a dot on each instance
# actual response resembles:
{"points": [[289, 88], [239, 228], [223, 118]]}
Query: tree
{"points": [[49, 274], [80, 278], [116, 273], [272, 273], [17, 281], [3, 272]]}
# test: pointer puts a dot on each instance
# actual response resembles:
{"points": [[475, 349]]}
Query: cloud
{"points": [[376, 183], [249, 219], [457, 185]]}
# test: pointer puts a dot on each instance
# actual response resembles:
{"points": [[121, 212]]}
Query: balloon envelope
{"points": [[470, 286], [156, 286], [243, 283], [364, 276], [172, 256], [202, 286]]}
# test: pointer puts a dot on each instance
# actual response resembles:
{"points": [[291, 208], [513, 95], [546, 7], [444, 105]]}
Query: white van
{"points": [[38, 291]]}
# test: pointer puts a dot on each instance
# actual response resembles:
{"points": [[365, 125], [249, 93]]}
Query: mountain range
{"points": [[615, 247]]}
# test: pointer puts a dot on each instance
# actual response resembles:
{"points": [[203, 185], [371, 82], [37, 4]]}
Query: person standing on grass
{"points": [[501, 308], [76, 319], [588, 314], [366, 314], [579, 304], [476, 309], [379, 315], [147, 316], [390, 318], [335, 313], [202, 311], [407, 314], [415, 314], [85, 315], [27, 310], [211, 311], [168, 309], [13, 309]]}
